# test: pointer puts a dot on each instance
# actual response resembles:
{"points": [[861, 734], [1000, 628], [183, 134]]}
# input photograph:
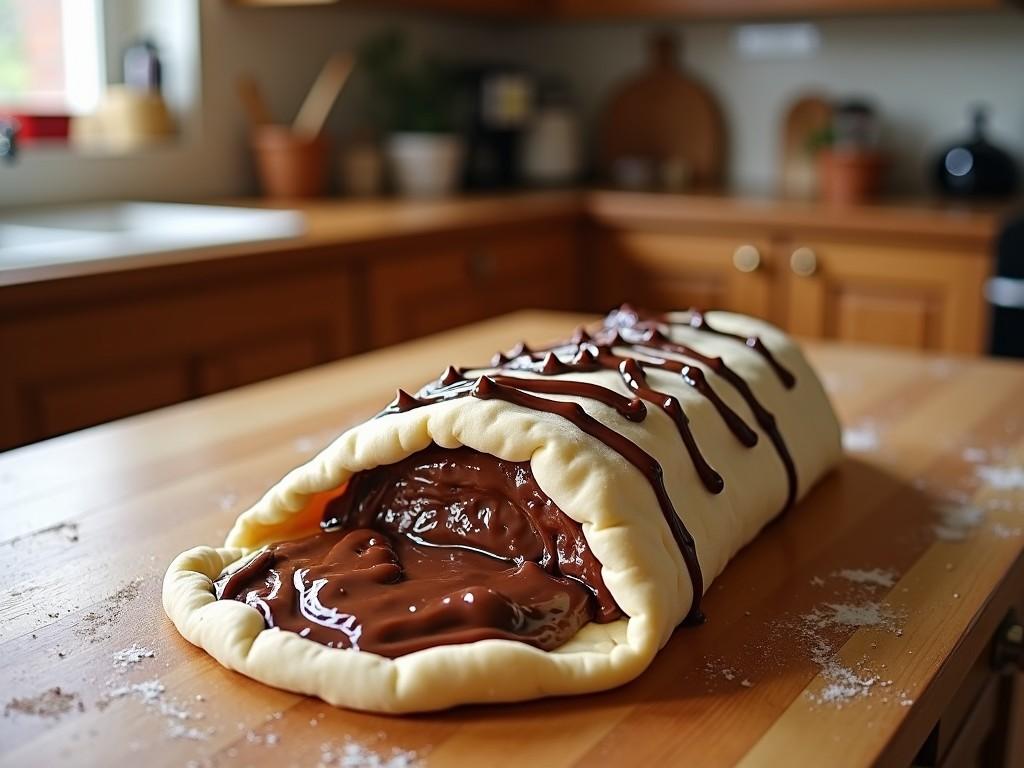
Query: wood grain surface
{"points": [[929, 502]]}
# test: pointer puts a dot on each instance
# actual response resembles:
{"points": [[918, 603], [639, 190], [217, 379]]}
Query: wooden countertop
{"points": [[336, 223], [929, 220], [88, 522], [343, 224]]}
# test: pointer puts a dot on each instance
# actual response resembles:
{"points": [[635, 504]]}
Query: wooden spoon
{"points": [[317, 105]]}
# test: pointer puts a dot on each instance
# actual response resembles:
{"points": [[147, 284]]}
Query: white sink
{"points": [[40, 236]]}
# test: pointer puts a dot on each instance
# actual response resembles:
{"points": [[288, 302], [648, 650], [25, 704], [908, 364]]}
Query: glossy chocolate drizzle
{"points": [[629, 342]]}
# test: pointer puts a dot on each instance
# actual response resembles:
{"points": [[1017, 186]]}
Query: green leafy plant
{"points": [[407, 95], [820, 139]]}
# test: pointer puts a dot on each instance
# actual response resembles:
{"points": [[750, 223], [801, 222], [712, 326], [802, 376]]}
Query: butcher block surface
{"points": [[844, 630]]}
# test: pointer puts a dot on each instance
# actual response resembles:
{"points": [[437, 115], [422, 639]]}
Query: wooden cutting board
{"points": [[806, 117], [662, 115], [88, 523]]}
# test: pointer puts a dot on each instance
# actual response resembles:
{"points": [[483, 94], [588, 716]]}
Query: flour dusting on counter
{"points": [[1004, 478], [876, 577], [863, 438], [352, 754], [132, 655]]}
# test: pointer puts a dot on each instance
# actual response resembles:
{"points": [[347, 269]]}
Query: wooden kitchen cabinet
{"points": [[690, 9], [118, 353], [715, 9], [463, 278], [672, 270], [911, 278], [508, 8], [915, 297]]}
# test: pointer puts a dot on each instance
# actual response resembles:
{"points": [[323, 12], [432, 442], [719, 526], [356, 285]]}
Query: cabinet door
{"points": [[469, 278], [899, 296], [669, 270], [88, 364]]}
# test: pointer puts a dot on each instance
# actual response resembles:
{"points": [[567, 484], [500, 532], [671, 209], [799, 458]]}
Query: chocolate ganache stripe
{"points": [[633, 377], [590, 355], [591, 358], [594, 352], [627, 316], [656, 340], [700, 323], [695, 378]]}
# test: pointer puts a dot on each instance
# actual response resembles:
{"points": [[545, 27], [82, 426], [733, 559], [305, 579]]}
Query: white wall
{"points": [[923, 72], [284, 48]]}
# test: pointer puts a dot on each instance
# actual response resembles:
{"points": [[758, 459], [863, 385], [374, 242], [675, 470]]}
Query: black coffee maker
{"points": [[495, 104], [975, 167]]}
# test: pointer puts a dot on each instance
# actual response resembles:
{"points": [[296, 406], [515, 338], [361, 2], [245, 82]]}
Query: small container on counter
{"points": [[290, 165]]}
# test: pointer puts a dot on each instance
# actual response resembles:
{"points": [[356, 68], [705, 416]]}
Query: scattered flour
{"points": [[182, 731], [867, 614], [227, 500], [1007, 478], [817, 581], [718, 667], [876, 577], [151, 693], [131, 655], [956, 520], [843, 682], [974, 455], [1005, 531], [861, 439], [352, 754], [147, 691]]}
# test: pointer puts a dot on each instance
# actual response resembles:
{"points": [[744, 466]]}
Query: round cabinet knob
{"points": [[803, 262], [746, 258]]}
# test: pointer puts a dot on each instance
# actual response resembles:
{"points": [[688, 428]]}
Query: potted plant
{"points": [[414, 105], [850, 167]]}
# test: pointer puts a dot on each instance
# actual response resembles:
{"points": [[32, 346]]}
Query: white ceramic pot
{"points": [[425, 164]]}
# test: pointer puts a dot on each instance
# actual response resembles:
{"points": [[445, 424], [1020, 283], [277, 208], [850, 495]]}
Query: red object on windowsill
{"points": [[39, 127]]}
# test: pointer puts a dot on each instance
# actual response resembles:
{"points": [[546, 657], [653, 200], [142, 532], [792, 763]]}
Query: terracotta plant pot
{"points": [[849, 176], [289, 165]]}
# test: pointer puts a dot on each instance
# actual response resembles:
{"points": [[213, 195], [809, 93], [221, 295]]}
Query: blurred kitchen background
{"points": [[345, 177]]}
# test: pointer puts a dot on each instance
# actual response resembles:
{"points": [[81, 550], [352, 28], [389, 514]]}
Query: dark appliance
{"points": [[1005, 292], [975, 167], [496, 103]]}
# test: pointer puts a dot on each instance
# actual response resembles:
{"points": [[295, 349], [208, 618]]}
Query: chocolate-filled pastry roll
{"points": [[534, 527]]}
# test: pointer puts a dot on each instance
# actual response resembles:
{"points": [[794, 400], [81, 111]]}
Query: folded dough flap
{"points": [[665, 445]]}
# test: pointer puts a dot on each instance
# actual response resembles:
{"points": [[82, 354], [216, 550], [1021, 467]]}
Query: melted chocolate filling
{"points": [[446, 546]]}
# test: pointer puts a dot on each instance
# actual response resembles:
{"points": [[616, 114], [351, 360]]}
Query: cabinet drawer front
{"points": [[55, 407], [668, 270], [471, 279], [526, 257], [896, 296]]}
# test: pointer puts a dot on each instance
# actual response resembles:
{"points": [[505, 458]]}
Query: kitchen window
{"points": [[51, 55]]}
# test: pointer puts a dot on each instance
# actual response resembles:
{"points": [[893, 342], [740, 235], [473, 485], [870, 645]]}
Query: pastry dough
{"points": [[642, 565]]}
